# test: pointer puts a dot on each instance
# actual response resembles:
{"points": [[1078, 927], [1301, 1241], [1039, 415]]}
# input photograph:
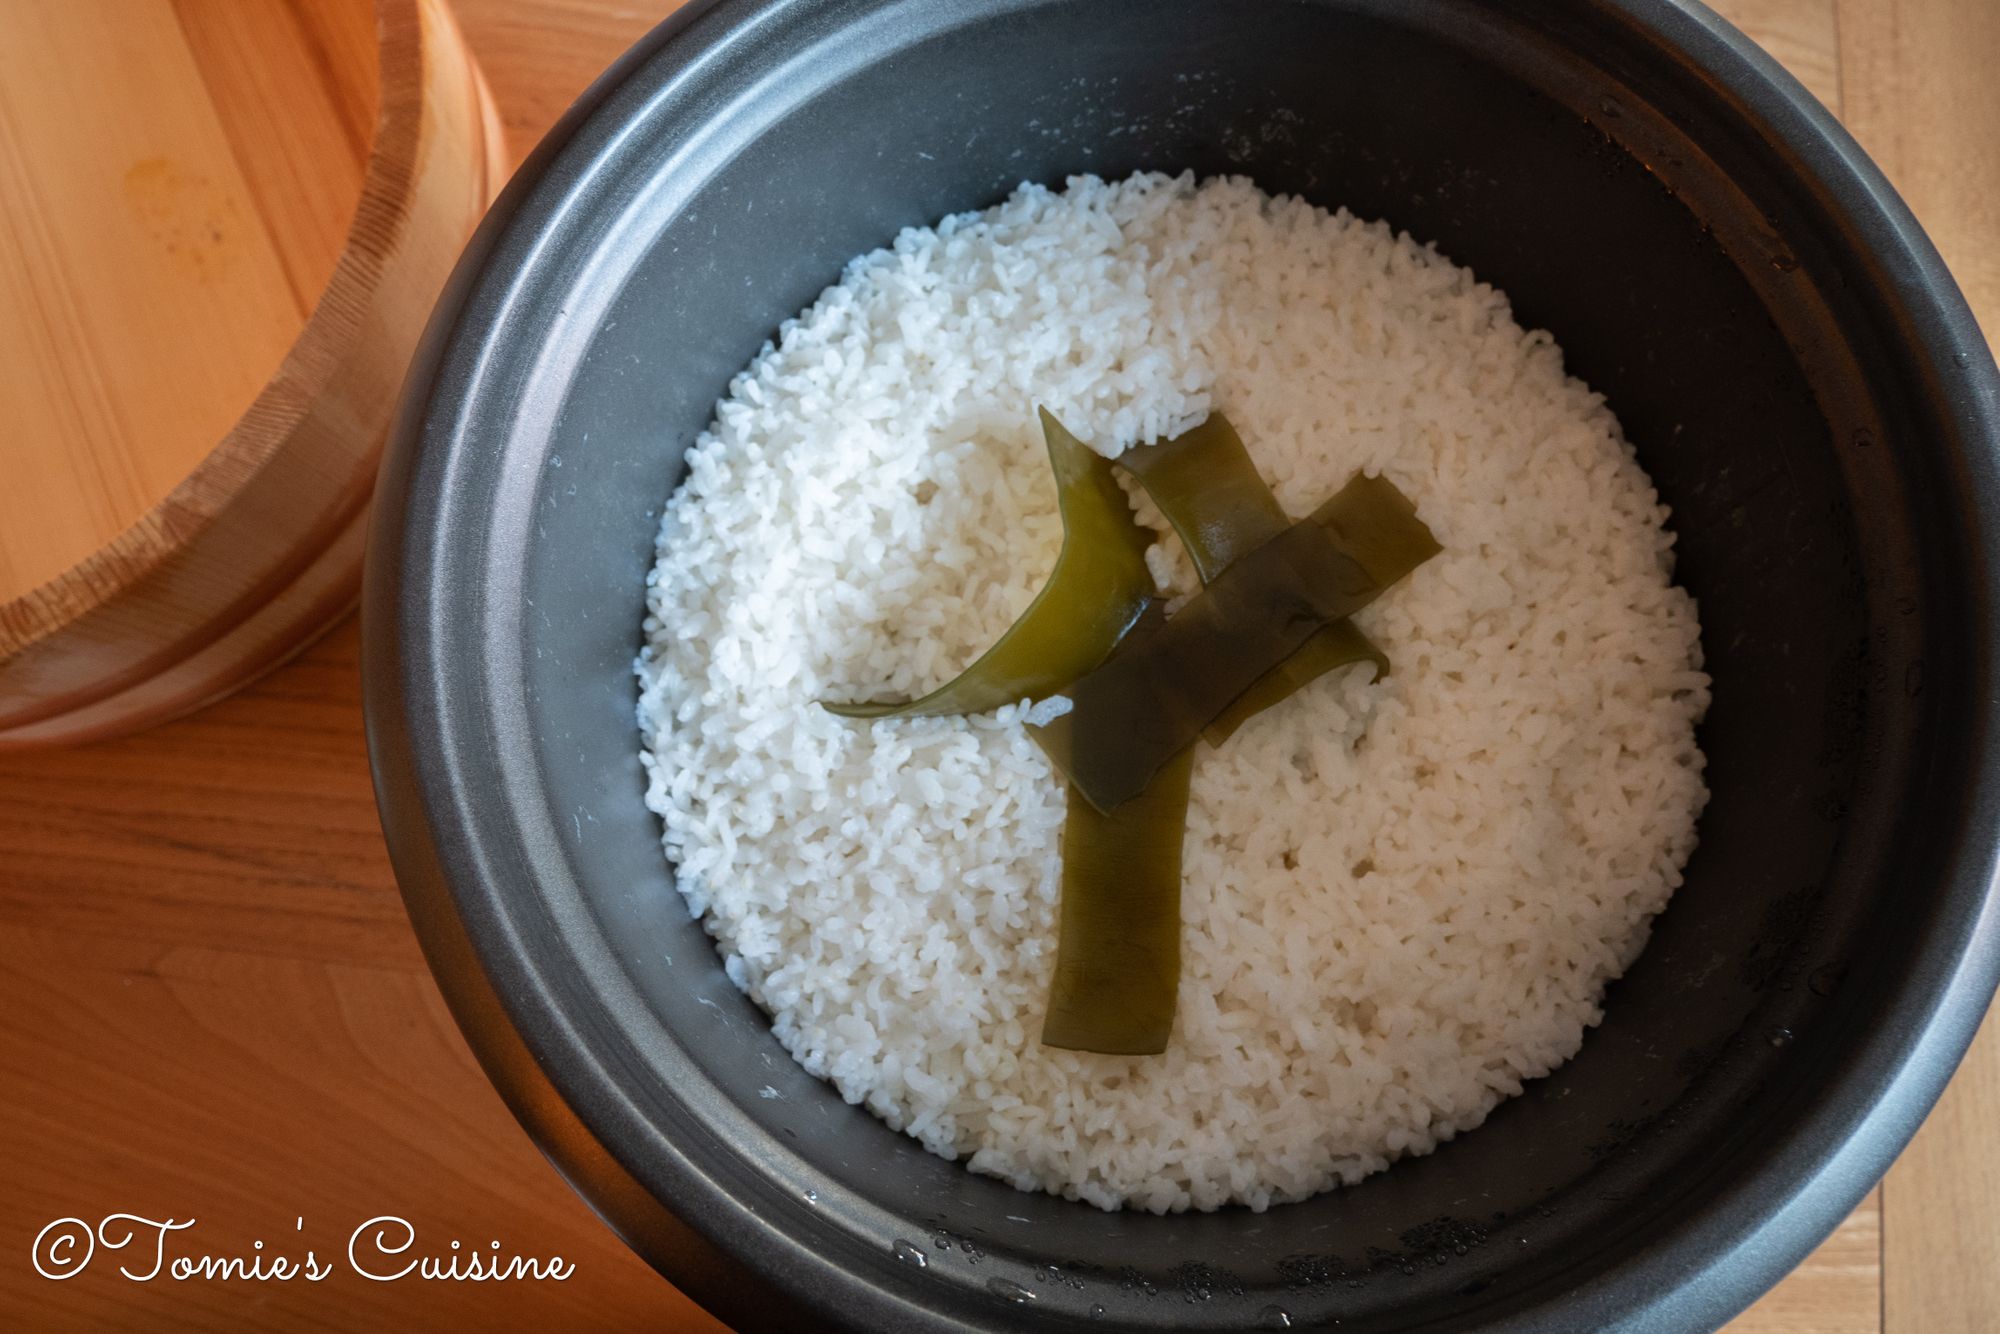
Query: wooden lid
{"points": [[217, 252]]}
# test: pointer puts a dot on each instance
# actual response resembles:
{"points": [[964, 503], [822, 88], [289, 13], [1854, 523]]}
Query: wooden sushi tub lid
{"points": [[222, 228]]}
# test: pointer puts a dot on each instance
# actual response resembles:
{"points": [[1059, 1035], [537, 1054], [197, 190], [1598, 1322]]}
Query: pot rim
{"points": [[435, 740]]}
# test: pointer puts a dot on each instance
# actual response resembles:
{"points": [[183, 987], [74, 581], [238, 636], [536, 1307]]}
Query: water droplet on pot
{"points": [[812, 1197], [909, 1254], [1275, 1317], [1096, 1311], [1012, 1291], [1780, 1036]]}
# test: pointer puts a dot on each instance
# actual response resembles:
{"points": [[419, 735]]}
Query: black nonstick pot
{"points": [[1797, 370]]}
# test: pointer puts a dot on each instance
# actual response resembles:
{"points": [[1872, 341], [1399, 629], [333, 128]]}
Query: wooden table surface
{"points": [[215, 1009]]}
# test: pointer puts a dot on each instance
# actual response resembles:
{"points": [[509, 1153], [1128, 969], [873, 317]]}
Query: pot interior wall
{"points": [[1737, 363]]}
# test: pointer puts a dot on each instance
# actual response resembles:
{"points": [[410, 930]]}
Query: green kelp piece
{"points": [[1207, 487], [1118, 947], [1338, 645], [1204, 482], [1098, 588], [1118, 955], [1141, 709]]}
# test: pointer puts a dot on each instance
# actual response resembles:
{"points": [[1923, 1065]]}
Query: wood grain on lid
{"points": [[218, 247], [176, 182]]}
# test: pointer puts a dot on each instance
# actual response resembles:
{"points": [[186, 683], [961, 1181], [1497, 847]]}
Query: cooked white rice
{"points": [[1401, 899]]}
